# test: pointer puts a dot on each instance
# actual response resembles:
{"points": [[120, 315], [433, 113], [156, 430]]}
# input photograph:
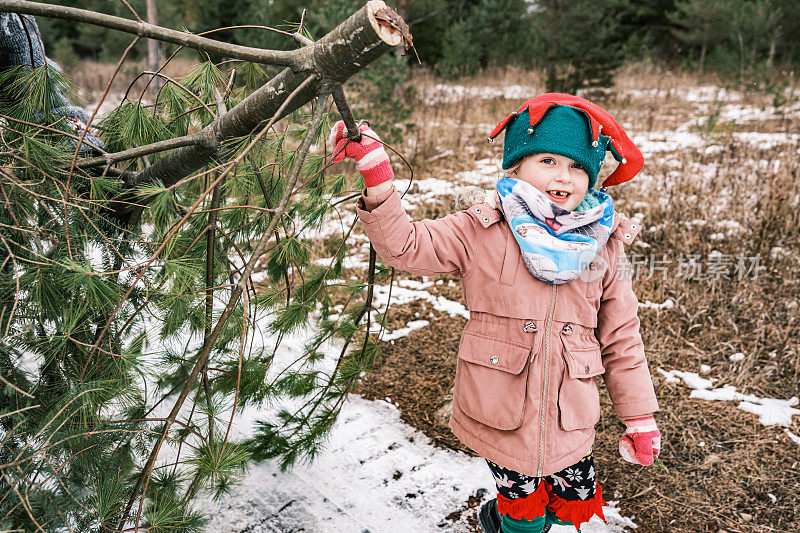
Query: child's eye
{"points": [[545, 159], [577, 165]]}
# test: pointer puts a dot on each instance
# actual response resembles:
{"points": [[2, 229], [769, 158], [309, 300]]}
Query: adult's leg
{"points": [[574, 494]]}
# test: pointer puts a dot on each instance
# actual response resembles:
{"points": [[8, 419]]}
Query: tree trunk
{"points": [[335, 58], [771, 54], [153, 49], [552, 72], [703, 53]]}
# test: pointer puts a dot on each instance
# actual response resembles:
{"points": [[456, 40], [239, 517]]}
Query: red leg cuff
{"points": [[578, 511], [530, 507]]}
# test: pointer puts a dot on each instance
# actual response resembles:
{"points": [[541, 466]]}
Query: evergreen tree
{"points": [[649, 29], [740, 37], [755, 28], [429, 20], [490, 33], [700, 24], [114, 314], [789, 29], [583, 44]]}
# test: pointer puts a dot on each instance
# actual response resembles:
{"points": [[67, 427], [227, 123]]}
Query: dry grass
{"points": [[92, 77]]}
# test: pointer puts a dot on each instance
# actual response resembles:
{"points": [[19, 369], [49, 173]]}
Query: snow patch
{"points": [[402, 332], [770, 411], [402, 295], [667, 304], [793, 437]]}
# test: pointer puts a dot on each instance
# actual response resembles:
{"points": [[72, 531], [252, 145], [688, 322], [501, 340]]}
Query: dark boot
{"points": [[489, 518]]}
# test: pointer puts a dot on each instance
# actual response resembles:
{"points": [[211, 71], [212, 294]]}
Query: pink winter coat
{"points": [[525, 395]]}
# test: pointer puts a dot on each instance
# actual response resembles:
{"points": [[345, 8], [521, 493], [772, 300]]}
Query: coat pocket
{"points": [[490, 382], [578, 396]]}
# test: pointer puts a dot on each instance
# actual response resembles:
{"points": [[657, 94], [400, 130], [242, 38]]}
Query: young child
{"points": [[551, 306]]}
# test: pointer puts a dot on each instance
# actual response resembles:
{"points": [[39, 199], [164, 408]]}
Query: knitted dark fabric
{"points": [[563, 130], [22, 45]]}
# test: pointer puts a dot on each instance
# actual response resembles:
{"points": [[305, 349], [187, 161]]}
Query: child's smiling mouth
{"points": [[558, 195]]}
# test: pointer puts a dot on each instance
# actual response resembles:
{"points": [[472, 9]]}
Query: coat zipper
{"points": [[544, 389]]}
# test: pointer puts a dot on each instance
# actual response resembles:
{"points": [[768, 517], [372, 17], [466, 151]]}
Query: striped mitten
{"points": [[371, 158], [641, 441]]}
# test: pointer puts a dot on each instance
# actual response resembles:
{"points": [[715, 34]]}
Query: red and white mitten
{"points": [[371, 158], [641, 441]]}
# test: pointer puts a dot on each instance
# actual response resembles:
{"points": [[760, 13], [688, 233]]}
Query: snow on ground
{"points": [[375, 475], [402, 295], [652, 142], [452, 93], [349, 261], [766, 141], [485, 173], [647, 304], [770, 411], [402, 332]]}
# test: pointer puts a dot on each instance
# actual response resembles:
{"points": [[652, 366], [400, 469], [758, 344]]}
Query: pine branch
{"points": [[85, 301], [296, 59], [139, 151], [216, 197], [336, 57], [234, 299]]}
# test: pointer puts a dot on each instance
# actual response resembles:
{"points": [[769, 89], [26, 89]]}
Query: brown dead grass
{"points": [[92, 77]]}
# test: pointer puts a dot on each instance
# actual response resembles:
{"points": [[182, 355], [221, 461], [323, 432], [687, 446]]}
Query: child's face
{"points": [[552, 172]]}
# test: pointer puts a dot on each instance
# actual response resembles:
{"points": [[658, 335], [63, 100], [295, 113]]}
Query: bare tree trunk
{"points": [[771, 54], [552, 72], [153, 48], [703, 50]]}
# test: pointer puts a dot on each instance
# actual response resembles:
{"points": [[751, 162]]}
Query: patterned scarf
{"points": [[556, 244]]}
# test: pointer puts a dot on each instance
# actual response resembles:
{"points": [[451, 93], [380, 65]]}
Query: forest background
{"points": [[742, 40]]}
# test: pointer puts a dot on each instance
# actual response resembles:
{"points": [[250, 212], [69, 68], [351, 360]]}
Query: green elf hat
{"points": [[571, 126]]}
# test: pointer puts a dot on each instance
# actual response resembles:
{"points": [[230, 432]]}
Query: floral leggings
{"points": [[571, 495]]}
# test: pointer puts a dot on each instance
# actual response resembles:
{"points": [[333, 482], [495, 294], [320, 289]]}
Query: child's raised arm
{"points": [[425, 247]]}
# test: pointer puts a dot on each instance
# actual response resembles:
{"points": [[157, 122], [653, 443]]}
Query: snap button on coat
{"points": [[494, 359]]}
